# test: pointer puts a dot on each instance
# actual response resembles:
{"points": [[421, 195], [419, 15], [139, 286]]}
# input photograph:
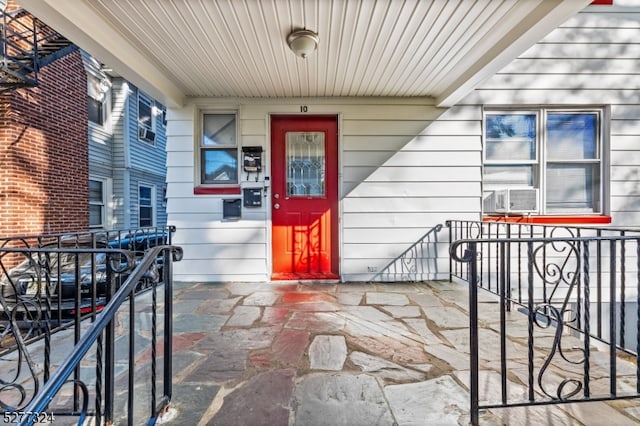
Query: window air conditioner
{"points": [[146, 134], [516, 200]]}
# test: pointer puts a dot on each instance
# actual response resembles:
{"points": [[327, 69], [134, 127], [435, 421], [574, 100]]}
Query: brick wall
{"points": [[44, 167]]}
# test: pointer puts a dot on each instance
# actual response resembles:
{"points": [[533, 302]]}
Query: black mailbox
{"points": [[252, 197], [231, 209]]}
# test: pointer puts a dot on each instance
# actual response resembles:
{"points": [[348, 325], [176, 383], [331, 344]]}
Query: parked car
{"points": [[140, 241], [24, 287]]}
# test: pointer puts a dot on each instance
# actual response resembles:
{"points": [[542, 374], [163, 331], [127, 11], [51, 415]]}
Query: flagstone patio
{"points": [[350, 354]]}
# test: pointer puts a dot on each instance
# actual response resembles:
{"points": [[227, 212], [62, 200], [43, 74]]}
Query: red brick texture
{"points": [[44, 156]]}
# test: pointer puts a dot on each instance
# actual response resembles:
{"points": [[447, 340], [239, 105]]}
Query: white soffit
{"points": [[237, 48]]}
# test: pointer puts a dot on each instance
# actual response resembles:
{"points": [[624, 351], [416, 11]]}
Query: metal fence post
{"points": [[471, 253]]}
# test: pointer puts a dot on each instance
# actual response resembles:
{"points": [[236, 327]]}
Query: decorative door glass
{"points": [[305, 164]]}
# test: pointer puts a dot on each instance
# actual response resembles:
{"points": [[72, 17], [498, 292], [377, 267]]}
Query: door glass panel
{"points": [[305, 164]]}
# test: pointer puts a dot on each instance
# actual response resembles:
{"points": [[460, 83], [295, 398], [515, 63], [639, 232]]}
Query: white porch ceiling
{"points": [[237, 48]]}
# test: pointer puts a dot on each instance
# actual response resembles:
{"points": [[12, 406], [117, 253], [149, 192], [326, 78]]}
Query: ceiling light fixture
{"points": [[303, 42]]}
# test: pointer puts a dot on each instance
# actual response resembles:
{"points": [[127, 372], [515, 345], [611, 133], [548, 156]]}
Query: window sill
{"points": [[208, 190], [565, 220]]}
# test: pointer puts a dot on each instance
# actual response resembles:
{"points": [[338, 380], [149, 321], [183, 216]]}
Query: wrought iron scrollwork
{"points": [[557, 264], [30, 287], [411, 265], [544, 316], [17, 388]]}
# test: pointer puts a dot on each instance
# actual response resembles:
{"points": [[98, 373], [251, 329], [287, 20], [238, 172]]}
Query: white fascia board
{"points": [[84, 27], [546, 16]]}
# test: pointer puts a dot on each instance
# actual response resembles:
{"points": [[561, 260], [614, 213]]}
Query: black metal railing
{"points": [[579, 290], [417, 263], [62, 321]]}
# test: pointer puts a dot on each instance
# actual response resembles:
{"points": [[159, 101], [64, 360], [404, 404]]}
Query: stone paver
{"points": [[340, 400], [219, 367], [368, 313], [392, 349], [275, 315], [349, 298], [251, 338], [386, 299], [218, 306], [244, 316], [189, 400], [263, 400], [403, 311], [328, 352], [457, 360], [382, 368], [440, 401], [261, 298], [419, 325], [185, 323], [322, 322], [448, 317], [290, 345]]}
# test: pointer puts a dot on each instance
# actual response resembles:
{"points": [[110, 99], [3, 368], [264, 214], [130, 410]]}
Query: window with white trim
{"points": [[97, 95], [146, 205], [97, 203], [218, 149], [146, 119], [552, 157]]}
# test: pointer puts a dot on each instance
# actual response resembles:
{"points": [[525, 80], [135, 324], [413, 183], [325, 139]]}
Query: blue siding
{"points": [[149, 179], [115, 152], [147, 162], [145, 156]]}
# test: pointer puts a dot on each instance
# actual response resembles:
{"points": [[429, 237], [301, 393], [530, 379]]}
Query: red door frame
{"points": [[304, 229]]}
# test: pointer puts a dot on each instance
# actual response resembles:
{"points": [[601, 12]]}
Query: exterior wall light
{"points": [[303, 42]]}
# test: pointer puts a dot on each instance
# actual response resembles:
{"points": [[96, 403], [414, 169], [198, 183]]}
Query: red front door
{"points": [[304, 197]]}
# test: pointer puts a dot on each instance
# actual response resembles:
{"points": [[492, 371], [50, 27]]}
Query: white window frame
{"points": [[99, 89], [142, 125], [202, 147], [541, 162], [152, 205], [103, 203]]}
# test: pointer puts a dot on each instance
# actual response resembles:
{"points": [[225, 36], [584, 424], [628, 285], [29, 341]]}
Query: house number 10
{"points": [[304, 108]]}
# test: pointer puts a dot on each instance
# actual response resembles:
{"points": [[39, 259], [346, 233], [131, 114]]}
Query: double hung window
{"points": [[146, 204], [97, 92], [218, 149], [146, 119], [97, 203], [555, 153]]}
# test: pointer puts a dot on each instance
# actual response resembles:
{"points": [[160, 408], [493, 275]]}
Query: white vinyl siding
{"points": [[406, 166], [397, 170], [590, 61]]}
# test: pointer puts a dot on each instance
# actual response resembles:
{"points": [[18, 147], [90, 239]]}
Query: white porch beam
{"points": [[537, 23], [84, 27]]}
